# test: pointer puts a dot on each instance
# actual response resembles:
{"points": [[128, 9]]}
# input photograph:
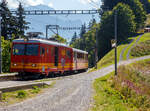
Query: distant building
{"points": [[147, 29]]}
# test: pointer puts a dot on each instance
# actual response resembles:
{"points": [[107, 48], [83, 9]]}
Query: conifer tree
{"points": [[22, 24], [5, 18], [73, 38]]}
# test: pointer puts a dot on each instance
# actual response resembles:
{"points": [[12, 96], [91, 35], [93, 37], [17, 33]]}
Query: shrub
{"points": [[35, 89], [21, 94]]}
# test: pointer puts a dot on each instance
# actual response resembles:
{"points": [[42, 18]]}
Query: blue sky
{"points": [[58, 4]]}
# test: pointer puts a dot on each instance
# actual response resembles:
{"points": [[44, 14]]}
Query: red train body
{"points": [[40, 56]]}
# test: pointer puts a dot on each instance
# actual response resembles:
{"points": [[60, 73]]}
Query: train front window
{"points": [[32, 49], [19, 49], [25, 49]]}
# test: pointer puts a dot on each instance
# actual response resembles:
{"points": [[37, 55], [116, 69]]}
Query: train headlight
{"points": [[15, 64], [33, 65]]}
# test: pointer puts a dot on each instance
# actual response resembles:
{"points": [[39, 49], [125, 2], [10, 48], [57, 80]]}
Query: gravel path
{"points": [[71, 93], [122, 52]]}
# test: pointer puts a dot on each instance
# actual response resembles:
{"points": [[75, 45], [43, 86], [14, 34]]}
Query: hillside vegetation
{"points": [[128, 91], [108, 59], [142, 48]]}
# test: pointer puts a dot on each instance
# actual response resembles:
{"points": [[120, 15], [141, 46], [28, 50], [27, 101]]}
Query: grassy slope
{"points": [[112, 94], [108, 59], [102, 100], [144, 38], [128, 48]]}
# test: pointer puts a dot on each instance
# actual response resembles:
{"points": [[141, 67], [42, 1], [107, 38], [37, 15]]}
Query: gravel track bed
{"points": [[71, 93]]}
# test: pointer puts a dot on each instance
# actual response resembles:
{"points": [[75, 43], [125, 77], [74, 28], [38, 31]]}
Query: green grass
{"points": [[106, 98], [128, 48], [148, 20], [21, 95], [108, 59], [142, 48], [144, 38], [112, 93]]}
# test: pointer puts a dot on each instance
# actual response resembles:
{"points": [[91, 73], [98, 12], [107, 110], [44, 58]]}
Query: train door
{"points": [[76, 60], [56, 56]]}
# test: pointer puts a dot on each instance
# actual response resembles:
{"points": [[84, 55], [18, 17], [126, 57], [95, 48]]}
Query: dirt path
{"points": [[71, 93], [128, 55], [122, 52]]}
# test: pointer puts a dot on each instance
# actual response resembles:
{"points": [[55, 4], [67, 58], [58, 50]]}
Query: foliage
{"points": [[21, 25], [7, 20], [106, 98], [147, 22], [135, 5], [12, 25], [82, 42], [59, 39], [73, 38], [35, 89], [146, 5], [125, 19], [129, 89], [141, 49], [21, 94], [87, 42], [6, 53]]}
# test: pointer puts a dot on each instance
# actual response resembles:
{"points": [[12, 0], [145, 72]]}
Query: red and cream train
{"points": [[39, 56]]}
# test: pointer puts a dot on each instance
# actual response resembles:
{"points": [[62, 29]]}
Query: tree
{"points": [[146, 4], [92, 23], [73, 38], [126, 26], [82, 32], [22, 24], [9, 22], [5, 18], [59, 39], [90, 41], [135, 5], [6, 53]]}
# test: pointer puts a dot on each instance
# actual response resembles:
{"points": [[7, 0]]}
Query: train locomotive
{"points": [[44, 57]]}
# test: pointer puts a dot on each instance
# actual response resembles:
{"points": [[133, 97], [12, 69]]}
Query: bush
{"points": [[21, 94], [35, 89]]}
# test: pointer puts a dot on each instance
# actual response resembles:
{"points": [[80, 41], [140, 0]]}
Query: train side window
{"points": [[68, 53], [47, 50], [74, 54], [42, 51], [78, 55]]}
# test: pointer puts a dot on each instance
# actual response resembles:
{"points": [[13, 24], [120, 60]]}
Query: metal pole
{"points": [[116, 42], [96, 47], [57, 30], [0, 45], [46, 31]]}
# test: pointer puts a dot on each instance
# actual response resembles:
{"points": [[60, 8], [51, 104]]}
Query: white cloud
{"points": [[87, 1], [34, 2], [50, 4], [14, 3]]}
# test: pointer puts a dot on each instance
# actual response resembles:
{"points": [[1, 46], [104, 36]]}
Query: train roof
{"points": [[35, 40]]}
